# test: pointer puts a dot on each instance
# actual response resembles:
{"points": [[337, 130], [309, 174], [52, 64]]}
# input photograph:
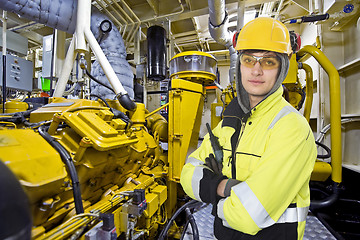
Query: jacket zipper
{"points": [[233, 167]]}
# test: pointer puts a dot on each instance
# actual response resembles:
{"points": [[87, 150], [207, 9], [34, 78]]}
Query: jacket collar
{"points": [[266, 104], [233, 114]]}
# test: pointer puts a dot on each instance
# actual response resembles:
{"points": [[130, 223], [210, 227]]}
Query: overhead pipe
{"points": [[218, 27]]}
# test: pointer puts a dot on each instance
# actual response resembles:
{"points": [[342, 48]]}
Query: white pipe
{"points": [[66, 70], [108, 70], [4, 20], [218, 27], [241, 14], [83, 22], [279, 8], [325, 129]]}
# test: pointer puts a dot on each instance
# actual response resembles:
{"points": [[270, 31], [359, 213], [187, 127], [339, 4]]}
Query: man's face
{"points": [[258, 75]]}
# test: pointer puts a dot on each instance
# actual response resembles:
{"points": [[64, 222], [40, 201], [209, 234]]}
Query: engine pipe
{"points": [[66, 158]]}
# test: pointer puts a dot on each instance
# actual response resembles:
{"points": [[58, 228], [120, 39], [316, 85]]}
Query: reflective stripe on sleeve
{"points": [[259, 214], [195, 162], [283, 112], [252, 205], [195, 181], [220, 212]]}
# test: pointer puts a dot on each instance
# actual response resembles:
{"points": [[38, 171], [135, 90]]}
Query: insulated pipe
{"points": [[335, 108], [61, 15], [309, 89], [218, 21]]}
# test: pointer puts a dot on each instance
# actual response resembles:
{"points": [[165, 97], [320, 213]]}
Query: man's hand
{"points": [[224, 187], [213, 164]]}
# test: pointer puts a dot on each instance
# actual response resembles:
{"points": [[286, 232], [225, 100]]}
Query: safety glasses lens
{"points": [[265, 62]]}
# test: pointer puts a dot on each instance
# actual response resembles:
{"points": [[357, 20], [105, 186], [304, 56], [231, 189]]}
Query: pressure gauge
{"points": [[105, 26]]}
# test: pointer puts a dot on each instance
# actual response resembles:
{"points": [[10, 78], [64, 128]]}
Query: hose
{"points": [[3, 82], [66, 158], [102, 99], [94, 79], [327, 149], [185, 227], [164, 232], [316, 204], [192, 222]]}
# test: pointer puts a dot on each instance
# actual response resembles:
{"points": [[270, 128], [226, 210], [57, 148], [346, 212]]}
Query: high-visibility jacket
{"points": [[272, 152]]}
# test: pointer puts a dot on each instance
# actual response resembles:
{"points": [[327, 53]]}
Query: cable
{"points": [[164, 232], [194, 227], [66, 158], [102, 99], [327, 149], [94, 79]]}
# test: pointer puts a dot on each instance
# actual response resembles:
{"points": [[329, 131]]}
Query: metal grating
{"points": [[314, 229]]}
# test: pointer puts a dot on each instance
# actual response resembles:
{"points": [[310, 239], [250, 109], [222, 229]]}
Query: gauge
{"points": [[105, 26]]}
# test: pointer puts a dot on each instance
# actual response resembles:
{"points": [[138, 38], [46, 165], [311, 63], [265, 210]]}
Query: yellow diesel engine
{"points": [[86, 162], [93, 170]]}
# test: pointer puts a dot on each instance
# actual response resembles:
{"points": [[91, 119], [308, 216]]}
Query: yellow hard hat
{"points": [[264, 33]]}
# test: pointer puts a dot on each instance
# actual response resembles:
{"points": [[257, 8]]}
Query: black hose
{"points": [[315, 18], [4, 82], [66, 158], [164, 232], [126, 102], [327, 149], [94, 79], [102, 99], [316, 204], [185, 227], [194, 227]]}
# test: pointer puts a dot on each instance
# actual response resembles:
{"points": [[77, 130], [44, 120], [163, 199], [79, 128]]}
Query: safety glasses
{"points": [[266, 63]]}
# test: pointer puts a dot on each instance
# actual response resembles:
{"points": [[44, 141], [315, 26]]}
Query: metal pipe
{"points": [[309, 89], [83, 13], [66, 70], [121, 10], [241, 14], [135, 32], [108, 12], [121, 17], [130, 10], [218, 21], [167, 15], [335, 108], [279, 8]]}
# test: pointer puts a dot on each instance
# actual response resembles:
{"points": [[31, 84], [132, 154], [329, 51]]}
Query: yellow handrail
{"points": [[335, 108], [309, 90]]}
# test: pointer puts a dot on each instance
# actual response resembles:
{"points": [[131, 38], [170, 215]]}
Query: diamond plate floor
{"points": [[314, 229]]}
